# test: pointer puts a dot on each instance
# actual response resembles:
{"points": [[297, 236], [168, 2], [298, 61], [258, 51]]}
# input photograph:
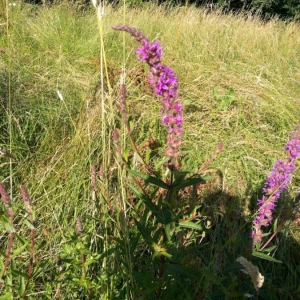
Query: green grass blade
{"points": [[266, 257]]}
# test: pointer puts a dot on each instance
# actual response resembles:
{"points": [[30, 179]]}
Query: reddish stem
{"points": [[27, 202], [7, 202]]}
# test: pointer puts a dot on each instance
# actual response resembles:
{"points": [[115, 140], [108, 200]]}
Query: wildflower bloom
{"points": [[165, 85], [277, 181]]}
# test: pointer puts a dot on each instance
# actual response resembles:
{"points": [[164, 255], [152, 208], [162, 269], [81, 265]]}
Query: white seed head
{"points": [[100, 12], [95, 3], [253, 271], [60, 96]]}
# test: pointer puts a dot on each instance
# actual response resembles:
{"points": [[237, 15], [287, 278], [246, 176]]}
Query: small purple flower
{"points": [[164, 84], [277, 181], [150, 53]]}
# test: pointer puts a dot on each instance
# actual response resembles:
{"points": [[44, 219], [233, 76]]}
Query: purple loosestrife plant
{"points": [[277, 181], [165, 85]]}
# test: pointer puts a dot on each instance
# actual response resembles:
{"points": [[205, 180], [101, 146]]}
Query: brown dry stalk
{"points": [[4, 194], [79, 228], [94, 178], [138, 35]]}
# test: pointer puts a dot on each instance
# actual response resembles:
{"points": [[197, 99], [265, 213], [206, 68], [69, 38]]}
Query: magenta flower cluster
{"points": [[277, 181], [165, 85]]}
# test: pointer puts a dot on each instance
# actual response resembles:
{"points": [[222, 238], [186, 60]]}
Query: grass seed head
{"points": [[256, 277]]}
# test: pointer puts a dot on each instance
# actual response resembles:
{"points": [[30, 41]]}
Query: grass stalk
{"points": [[9, 102], [107, 127]]}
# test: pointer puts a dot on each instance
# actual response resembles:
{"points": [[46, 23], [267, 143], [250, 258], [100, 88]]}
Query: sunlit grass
{"points": [[55, 141]]}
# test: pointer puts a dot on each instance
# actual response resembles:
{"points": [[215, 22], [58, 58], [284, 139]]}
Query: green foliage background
{"points": [[284, 9], [239, 83]]}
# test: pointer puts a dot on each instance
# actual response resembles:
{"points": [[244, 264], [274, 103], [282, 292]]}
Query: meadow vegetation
{"points": [[93, 219]]}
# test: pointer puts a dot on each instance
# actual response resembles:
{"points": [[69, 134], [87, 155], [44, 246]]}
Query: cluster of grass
{"points": [[239, 84]]}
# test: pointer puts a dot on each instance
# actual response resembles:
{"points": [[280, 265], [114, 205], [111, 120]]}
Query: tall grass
{"points": [[239, 83]]}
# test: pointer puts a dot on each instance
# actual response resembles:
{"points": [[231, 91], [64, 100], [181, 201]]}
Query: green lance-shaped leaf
{"points": [[167, 217], [269, 249], [188, 182], [5, 222], [144, 232], [19, 273], [22, 285], [191, 225], [266, 257], [147, 156], [152, 207], [19, 250], [150, 179]]}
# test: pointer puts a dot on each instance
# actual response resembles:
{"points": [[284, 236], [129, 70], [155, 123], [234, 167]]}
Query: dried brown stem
{"points": [[137, 34], [94, 178]]}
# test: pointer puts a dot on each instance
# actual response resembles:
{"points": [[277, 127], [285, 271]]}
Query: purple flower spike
{"points": [[165, 85], [277, 182]]}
